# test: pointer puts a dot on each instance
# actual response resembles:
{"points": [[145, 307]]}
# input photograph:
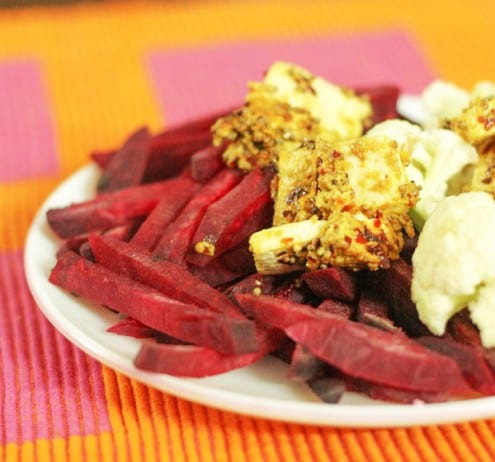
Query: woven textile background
{"points": [[80, 77]]}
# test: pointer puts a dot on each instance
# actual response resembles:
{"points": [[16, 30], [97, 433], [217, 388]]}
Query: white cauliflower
{"points": [[483, 88], [453, 264], [442, 100], [439, 162]]}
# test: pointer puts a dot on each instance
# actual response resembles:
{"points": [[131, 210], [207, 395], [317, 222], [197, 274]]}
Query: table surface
{"points": [[81, 76]]}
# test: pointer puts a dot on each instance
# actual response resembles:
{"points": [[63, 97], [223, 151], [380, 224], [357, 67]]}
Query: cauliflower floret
{"points": [[291, 104], [453, 264], [483, 88], [441, 162], [442, 100], [471, 115]]}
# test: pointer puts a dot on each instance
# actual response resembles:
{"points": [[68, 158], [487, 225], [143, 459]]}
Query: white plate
{"points": [[260, 390]]}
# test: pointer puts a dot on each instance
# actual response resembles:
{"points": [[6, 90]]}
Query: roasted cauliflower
{"points": [[471, 115]]}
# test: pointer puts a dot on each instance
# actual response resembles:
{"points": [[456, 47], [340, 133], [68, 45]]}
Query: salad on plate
{"points": [[313, 223]]}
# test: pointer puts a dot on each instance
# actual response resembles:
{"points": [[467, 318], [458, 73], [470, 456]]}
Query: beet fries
{"points": [[175, 241], [232, 219], [111, 209], [164, 242], [197, 361], [184, 321], [127, 166]]}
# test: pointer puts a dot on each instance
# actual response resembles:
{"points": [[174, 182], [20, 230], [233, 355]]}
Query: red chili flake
{"points": [[287, 240], [487, 122], [377, 222], [336, 154], [348, 239], [360, 239], [489, 146]]}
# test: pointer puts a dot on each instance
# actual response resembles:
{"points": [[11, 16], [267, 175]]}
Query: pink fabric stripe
{"points": [[191, 82], [40, 398], [26, 125]]}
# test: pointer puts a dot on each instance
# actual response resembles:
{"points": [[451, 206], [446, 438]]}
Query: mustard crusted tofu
{"points": [[476, 125], [256, 133], [353, 197], [340, 197], [294, 188], [290, 105]]}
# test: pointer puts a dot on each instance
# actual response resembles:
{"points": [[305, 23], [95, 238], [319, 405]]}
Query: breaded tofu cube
{"points": [[290, 105], [476, 123], [353, 195]]}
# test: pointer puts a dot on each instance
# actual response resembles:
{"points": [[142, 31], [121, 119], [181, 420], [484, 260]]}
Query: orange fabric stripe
{"points": [[165, 428], [75, 449], [164, 24]]}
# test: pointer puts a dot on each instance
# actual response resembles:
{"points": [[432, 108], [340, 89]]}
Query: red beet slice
{"points": [[373, 311], [335, 307], [171, 280], [329, 387], [383, 99], [153, 227], [176, 240], [379, 356], [471, 360], [246, 208], [277, 312], [169, 156], [255, 284], [183, 321], [127, 166], [335, 283], [393, 285], [206, 163], [110, 209], [304, 365], [195, 361], [228, 267], [132, 328]]}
